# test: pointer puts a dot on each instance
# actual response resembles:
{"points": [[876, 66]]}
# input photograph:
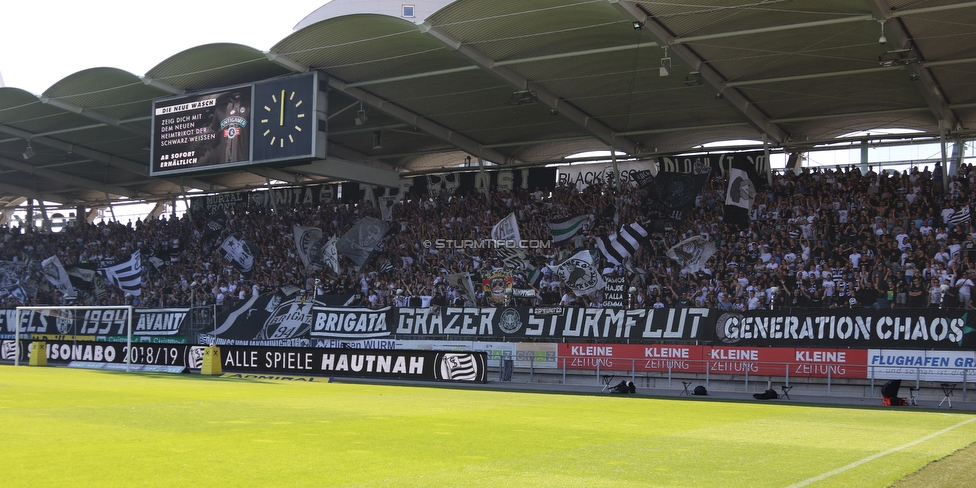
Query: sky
{"points": [[42, 41]]}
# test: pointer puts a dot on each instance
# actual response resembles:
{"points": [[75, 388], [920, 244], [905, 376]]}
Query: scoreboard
{"points": [[280, 121]]}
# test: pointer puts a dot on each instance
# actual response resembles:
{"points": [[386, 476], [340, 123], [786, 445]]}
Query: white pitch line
{"points": [[880, 454]]}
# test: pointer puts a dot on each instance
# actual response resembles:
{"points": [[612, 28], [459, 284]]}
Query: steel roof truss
{"points": [[568, 110], [756, 117]]}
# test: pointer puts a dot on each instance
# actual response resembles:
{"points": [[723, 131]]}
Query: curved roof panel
{"points": [[524, 82], [213, 66]]}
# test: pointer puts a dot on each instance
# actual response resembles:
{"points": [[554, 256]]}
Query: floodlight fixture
{"points": [[361, 115], [523, 97], [665, 69]]}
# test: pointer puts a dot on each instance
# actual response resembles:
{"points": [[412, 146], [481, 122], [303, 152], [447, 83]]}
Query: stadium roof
{"points": [[525, 82]]}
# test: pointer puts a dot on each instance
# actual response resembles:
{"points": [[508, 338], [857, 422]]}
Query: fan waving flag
{"points": [[692, 253], [507, 230], [308, 243], [330, 256], [241, 253], [956, 217], [211, 232], [57, 276], [618, 247], [565, 229], [741, 193], [359, 242], [463, 285], [674, 194], [579, 272], [127, 275]]}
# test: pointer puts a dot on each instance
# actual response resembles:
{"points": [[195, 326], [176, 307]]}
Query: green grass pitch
{"points": [[77, 428]]}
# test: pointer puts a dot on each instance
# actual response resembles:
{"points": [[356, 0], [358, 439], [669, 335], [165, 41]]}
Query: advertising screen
{"points": [[202, 131]]}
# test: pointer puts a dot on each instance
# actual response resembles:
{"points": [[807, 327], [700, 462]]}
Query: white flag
{"points": [[692, 253], [580, 273], [507, 230], [55, 273], [463, 284], [330, 256]]}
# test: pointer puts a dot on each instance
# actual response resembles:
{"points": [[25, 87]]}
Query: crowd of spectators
{"points": [[822, 238]]}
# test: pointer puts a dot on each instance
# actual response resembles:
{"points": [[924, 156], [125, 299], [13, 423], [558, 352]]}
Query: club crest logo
{"points": [[510, 321], [461, 367], [292, 319], [195, 357]]}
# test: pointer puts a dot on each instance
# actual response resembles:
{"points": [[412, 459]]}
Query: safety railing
{"points": [[825, 375]]}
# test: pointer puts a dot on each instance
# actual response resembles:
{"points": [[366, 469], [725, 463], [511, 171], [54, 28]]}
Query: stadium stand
{"points": [[822, 238]]}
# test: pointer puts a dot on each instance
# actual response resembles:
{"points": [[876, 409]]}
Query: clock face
{"points": [[283, 117], [279, 119]]}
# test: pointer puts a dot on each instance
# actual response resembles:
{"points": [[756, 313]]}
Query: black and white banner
{"points": [[615, 293], [350, 323], [63, 352], [554, 323], [271, 319], [296, 321], [514, 258], [463, 183], [127, 276], [313, 195], [899, 328], [95, 322], [621, 245], [583, 175], [469, 366], [213, 203], [386, 204]]}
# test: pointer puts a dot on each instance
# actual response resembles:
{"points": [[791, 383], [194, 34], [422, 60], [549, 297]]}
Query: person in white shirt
{"points": [[965, 285], [753, 303], [828, 287], [902, 239]]}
